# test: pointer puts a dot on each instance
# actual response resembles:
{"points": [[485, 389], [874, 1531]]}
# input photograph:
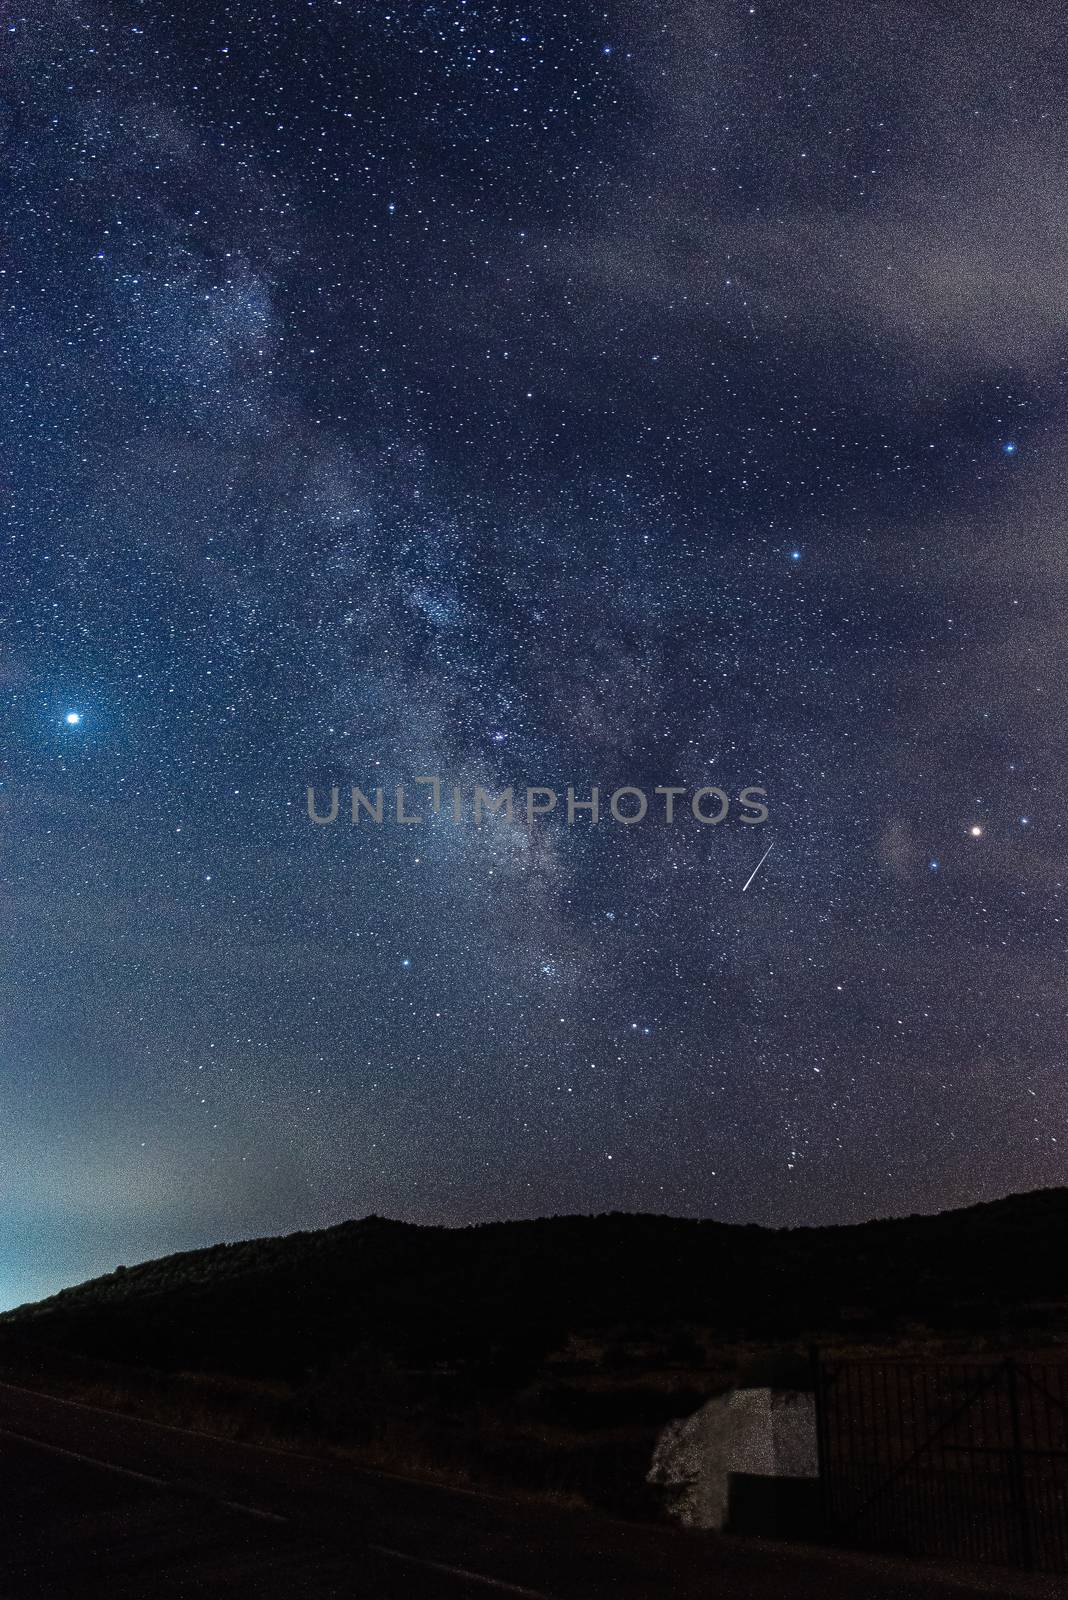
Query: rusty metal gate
{"points": [[961, 1459]]}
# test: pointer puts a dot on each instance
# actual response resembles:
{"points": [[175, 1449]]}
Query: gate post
{"points": [[819, 1400], [1017, 1470]]}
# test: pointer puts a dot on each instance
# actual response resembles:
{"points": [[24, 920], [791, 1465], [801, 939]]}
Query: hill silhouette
{"points": [[505, 1295]]}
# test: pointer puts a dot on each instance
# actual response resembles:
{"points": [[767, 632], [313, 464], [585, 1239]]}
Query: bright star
{"points": [[73, 718], [1009, 447], [795, 555], [976, 831]]}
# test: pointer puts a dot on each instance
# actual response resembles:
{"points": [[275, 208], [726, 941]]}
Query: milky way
{"points": [[643, 396]]}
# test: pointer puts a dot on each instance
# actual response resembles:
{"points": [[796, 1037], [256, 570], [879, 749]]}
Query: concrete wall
{"points": [[769, 1432]]}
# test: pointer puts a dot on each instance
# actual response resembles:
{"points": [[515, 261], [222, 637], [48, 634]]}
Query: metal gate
{"points": [[966, 1460]]}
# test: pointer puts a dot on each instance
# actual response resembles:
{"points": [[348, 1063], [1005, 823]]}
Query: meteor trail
{"points": [[757, 868]]}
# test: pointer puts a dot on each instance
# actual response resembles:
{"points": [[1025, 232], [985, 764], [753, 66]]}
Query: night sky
{"points": [[657, 395]]}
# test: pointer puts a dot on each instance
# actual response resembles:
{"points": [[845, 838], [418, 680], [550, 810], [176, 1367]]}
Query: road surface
{"points": [[95, 1504]]}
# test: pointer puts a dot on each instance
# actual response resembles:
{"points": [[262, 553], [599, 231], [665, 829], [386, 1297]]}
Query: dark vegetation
{"points": [[541, 1354]]}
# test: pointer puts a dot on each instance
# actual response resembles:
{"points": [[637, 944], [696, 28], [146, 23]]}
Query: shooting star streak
{"points": [[757, 868]]}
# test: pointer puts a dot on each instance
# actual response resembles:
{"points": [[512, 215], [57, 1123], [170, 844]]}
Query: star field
{"points": [[629, 396]]}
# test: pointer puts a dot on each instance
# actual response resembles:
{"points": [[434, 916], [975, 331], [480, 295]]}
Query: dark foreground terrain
{"points": [[96, 1505], [542, 1356], [524, 1367]]}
